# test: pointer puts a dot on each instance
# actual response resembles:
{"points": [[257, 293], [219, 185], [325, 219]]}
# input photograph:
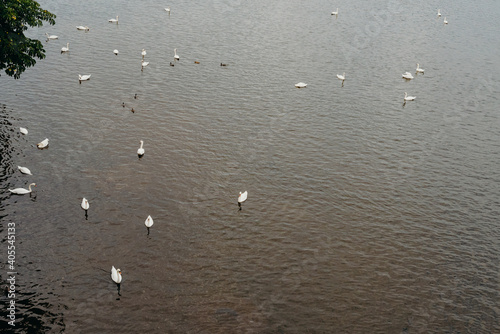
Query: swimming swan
{"points": [[22, 191], [140, 151], [24, 170]]}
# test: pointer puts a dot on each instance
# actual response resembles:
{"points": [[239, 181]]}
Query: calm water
{"points": [[364, 215]]}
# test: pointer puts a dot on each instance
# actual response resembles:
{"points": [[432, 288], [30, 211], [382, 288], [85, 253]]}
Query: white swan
{"points": [[144, 64], [116, 275], [115, 51], [22, 191], [149, 222], [439, 12], [419, 70], [407, 76], [82, 28], [341, 77], [176, 57], [85, 204], [445, 20], [242, 197], [43, 144], [140, 151], [301, 85], [24, 131], [409, 98], [24, 170], [336, 12], [84, 77], [113, 20], [65, 48], [167, 9], [51, 36], [143, 53]]}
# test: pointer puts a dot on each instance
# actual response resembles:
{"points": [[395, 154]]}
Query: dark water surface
{"points": [[364, 215]]}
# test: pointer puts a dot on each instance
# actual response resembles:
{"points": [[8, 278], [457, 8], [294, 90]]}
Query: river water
{"points": [[364, 214]]}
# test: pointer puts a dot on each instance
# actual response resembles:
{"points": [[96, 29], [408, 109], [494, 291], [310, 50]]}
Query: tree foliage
{"points": [[18, 52]]}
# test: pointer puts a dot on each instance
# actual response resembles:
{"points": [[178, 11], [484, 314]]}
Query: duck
{"points": [[82, 28], [84, 77], [419, 70], [171, 64], [24, 131], [116, 275], [409, 98], [49, 37], [242, 197], [65, 48], [407, 76], [24, 170], [22, 191], [222, 64], [140, 150], [301, 85], [196, 62], [113, 20], [176, 57], [43, 144]]}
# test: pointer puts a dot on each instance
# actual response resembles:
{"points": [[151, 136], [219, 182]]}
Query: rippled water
{"points": [[364, 215]]}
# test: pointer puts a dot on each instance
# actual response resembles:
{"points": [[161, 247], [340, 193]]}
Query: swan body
{"points": [[24, 131], [341, 77], [242, 197], [115, 51], [116, 275], [445, 20], [143, 53], [51, 36], [140, 151], [24, 170], [144, 64], [22, 191], [407, 76], [65, 48], [301, 85], [149, 222], [82, 28], [167, 10], [176, 57], [336, 12], [43, 144], [85, 204], [419, 70], [113, 20], [439, 12], [409, 98], [84, 77]]}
